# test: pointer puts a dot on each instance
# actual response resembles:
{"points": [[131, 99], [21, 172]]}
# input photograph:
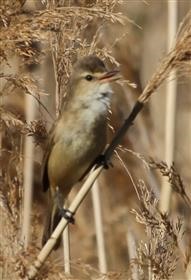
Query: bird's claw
{"points": [[101, 160]]}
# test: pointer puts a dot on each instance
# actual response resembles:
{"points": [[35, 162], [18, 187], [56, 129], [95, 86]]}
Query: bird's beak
{"points": [[110, 76]]}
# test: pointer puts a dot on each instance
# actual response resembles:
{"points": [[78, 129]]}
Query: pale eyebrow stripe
{"points": [[96, 74]]}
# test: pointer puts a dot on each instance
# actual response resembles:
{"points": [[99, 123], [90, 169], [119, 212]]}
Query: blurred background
{"points": [[37, 51]]}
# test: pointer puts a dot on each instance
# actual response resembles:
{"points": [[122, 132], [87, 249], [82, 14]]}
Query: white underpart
{"points": [[96, 104], [99, 100]]}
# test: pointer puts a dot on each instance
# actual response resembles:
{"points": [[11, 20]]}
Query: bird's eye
{"points": [[89, 77]]}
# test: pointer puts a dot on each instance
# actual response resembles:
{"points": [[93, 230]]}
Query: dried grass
{"points": [[61, 31], [156, 259], [178, 59], [173, 177], [29, 36]]}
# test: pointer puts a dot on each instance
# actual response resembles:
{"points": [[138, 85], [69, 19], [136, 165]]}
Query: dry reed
{"points": [[29, 45]]}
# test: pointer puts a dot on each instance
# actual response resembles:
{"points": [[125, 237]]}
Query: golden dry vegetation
{"points": [[40, 40]]}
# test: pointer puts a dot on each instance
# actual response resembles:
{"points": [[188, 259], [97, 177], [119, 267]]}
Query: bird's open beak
{"points": [[110, 76]]}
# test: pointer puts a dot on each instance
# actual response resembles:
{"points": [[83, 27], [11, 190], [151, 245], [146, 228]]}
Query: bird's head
{"points": [[90, 80]]}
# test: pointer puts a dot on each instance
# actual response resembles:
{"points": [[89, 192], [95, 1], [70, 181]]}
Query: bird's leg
{"points": [[64, 213], [68, 215]]}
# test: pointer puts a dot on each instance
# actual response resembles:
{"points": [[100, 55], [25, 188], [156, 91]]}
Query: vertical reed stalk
{"points": [[170, 108], [28, 173], [131, 247], [1, 137], [99, 228], [66, 242]]}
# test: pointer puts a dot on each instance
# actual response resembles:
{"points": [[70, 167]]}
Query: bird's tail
{"points": [[52, 220]]}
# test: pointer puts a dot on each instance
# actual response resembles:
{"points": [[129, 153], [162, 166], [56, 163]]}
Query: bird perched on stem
{"points": [[79, 135]]}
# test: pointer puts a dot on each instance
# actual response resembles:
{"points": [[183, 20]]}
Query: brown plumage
{"points": [[79, 135]]}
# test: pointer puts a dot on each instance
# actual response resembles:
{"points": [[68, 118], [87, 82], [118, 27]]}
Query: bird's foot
{"points": [[68, 215], [101, 160]]}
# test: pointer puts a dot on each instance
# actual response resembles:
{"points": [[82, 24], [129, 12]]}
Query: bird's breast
{"points": [[78, 144]]}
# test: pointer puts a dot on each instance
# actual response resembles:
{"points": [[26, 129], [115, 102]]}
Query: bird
{"points": [[79, 135]]}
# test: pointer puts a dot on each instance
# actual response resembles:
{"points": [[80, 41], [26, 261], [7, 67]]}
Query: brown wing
{"points": [[44, 168]]}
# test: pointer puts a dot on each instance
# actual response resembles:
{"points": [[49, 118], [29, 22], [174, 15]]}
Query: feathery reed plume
{"points": [[35, 27], [178, 59], [36, 129], [174, 178], [156, 259]]}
